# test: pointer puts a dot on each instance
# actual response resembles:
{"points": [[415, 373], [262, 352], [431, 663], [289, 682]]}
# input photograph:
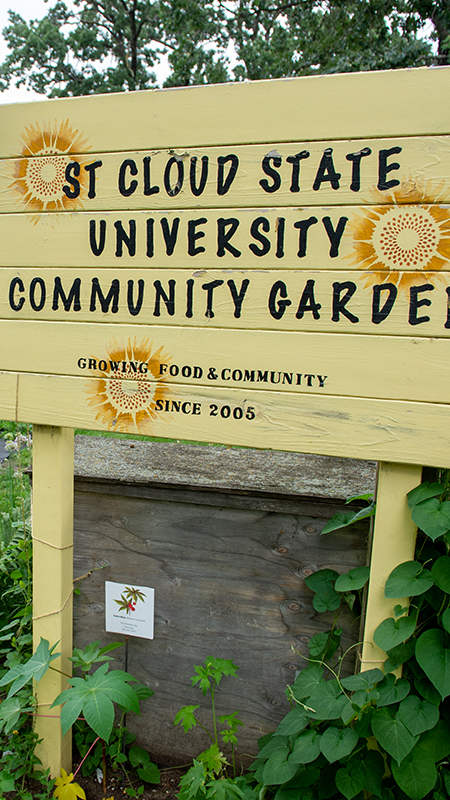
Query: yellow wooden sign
{"points": [[260, 264], [166, 281]]}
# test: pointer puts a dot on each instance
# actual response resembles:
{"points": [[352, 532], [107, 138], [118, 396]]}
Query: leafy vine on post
{"points": [[374, 734]]}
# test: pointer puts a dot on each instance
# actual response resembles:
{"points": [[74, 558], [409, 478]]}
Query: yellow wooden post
{"points": [[52, 580], [394, 539]]}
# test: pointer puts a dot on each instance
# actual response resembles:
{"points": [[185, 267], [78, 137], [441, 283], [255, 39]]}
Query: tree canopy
{"points": [[91, 46]]}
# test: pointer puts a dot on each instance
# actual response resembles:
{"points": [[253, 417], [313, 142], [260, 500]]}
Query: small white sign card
{"points": [[129, 609]]}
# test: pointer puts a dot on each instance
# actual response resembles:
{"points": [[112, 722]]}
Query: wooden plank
{"points": [[405, 237], [393, 514], [386, 430], [361, 171], [277, 300], [286, 362], [238, 592], [52, 556], [356, 105]]}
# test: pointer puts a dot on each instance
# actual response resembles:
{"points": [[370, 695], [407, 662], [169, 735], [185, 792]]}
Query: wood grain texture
{"points": [[227, 582], [233, 176], [125, 240], [388, 430], [356, 105], [175, 359], [46, 294]]}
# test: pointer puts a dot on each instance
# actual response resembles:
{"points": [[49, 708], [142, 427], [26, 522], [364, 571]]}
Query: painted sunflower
{"points": [[39, 176], [406, 239], [124, 398]]}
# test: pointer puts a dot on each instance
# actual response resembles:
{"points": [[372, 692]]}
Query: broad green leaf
{"points": [[294, 722], [436, 742], [275, 743], [223, 789], [392, 632], [149, 773], [392, 690], [326, 701], [306, 747], [10, 711], [392, 734], [7, 783], [368, 768], [352, 581], [408, 580], [423, 492], [432, 517], [441, 573], [433, 656], [321, 577], [337, 521], [445, 619], [138, 756], [418, 715], [278, 769], [363, 680], [348, 784], [194, 780], [35, 668], [416, 775], [399, 654], [327, 599], [306, 681], [336, 743]]}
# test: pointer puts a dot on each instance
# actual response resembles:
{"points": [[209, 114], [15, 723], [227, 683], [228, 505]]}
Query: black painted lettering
{"points": [[260, 222], [280, 227], [272, 173], [384, 168], [295, 161], [169, 299], [16, 283], [308, 302], [380, 313], [37, 306], [97, 249], [73, 190], [415, 303], [72, 297], [223, 186], [198, 190], [148, 188], [129, 239], [238, 297], [150, 251], [303, 226], [133, 308], [209, 289], [339, 303], [326, 172], [189, 297], [193, 235], [226, 228], [277, 307], [355, 158], [124, 190], [170, 234], [91, 169], [334, 236], [172, 191], [111, 299]]}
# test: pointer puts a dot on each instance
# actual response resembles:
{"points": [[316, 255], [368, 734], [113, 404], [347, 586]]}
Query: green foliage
{"points": [[373, 734], [207, 777], [87, 47]]}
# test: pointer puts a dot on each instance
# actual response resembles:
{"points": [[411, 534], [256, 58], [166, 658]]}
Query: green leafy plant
{"points": [[207, 777], [374, 734]]}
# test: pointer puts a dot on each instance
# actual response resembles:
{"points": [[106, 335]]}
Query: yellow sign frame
{"points": [[263, 264]]}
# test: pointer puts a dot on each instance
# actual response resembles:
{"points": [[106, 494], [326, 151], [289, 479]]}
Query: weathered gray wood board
{"points": [[227, 560]]}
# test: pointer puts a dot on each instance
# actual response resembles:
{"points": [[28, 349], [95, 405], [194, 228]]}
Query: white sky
{"points": [[29, 9]]}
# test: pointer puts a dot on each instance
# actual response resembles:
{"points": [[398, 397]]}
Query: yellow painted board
{"points": [[381, 238], [280, 300], [393, 517], [390, 103], [52, 556], [347, 427], [371, 171], [291, 362]]}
